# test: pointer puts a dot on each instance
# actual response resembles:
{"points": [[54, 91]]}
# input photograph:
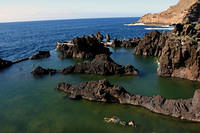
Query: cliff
{"points": [[185, 11]]}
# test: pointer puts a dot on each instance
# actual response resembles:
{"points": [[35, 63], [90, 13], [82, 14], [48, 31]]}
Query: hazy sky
{"points": [[27, 10]]}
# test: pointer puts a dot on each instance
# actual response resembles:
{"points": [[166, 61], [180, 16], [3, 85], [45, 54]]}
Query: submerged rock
{"points": [[103, 91], [39, 71], [84, 47], [40, 55], [5, 63]]}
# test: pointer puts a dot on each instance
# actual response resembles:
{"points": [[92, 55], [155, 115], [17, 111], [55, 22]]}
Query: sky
{"points": [[30, 10]]}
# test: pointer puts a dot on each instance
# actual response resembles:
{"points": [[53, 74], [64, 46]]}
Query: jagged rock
{"points": [[84, 47], [180, 55], [5, 63], [103, 91], [116, 43], [151, 44], [40, 55], [99, 36], [107, 37], [196, 101], [104, 65], [185, 11], [125, 43], [101, 65], [39, 71], [193, 14]]}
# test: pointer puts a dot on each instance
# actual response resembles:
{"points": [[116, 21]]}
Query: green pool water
{"points": [[32, 105]]}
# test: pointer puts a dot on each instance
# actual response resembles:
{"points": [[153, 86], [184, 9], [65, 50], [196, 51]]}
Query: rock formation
{"points": [[99, 36], [151, 44], [40, 55], [181, 53], [84, 47], [39, 71], [178, 51], [101, 65], [107, 38], [103, 91], [4, 63], [125, 43], [185, 11]]}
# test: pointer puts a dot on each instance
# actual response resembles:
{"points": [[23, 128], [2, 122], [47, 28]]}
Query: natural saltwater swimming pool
{"points": [[29, 104]]}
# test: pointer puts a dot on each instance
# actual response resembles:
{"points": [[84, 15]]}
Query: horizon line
{"points": [[41, 20]]}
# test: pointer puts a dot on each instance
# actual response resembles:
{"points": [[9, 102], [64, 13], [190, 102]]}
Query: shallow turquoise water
{"points": [[32, 105]]}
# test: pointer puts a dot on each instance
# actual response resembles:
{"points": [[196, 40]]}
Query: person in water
{"points": [[116, 120]]}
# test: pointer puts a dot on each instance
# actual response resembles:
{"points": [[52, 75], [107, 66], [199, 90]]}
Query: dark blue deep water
{"points": [[32, 105], [23, 39]]}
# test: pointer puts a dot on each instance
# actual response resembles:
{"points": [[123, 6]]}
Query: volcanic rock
{"points": [[104, 65], [151, 44], [185, 11], [99, 36], [103, 91], [84, 47], [5, 63], [101, 65], [125, 43], [40, 55], [107, 37], [39, 71], [181, 53]]}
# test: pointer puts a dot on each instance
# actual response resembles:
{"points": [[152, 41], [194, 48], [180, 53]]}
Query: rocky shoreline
{"points": [[178, 51], [103, 91]]}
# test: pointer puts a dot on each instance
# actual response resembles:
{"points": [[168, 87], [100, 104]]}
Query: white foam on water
{"points": [[161, 28], [135, 24]]}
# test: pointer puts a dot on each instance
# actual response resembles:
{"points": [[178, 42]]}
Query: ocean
{"points": [[23, 39], [33, 105]]}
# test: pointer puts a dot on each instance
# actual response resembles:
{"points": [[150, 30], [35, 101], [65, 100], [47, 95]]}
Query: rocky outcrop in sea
{"points": [[178, 51], [84, 47], [101, 65], [103, 91], [39, 55], [5, 63], [151, 44], [131, 43]]}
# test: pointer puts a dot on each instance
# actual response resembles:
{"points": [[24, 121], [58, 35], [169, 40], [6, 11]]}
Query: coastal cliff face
{"points": [[179, 51], [185, 11]]}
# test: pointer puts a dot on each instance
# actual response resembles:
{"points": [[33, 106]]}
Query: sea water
{"points": [[32, 105]]}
